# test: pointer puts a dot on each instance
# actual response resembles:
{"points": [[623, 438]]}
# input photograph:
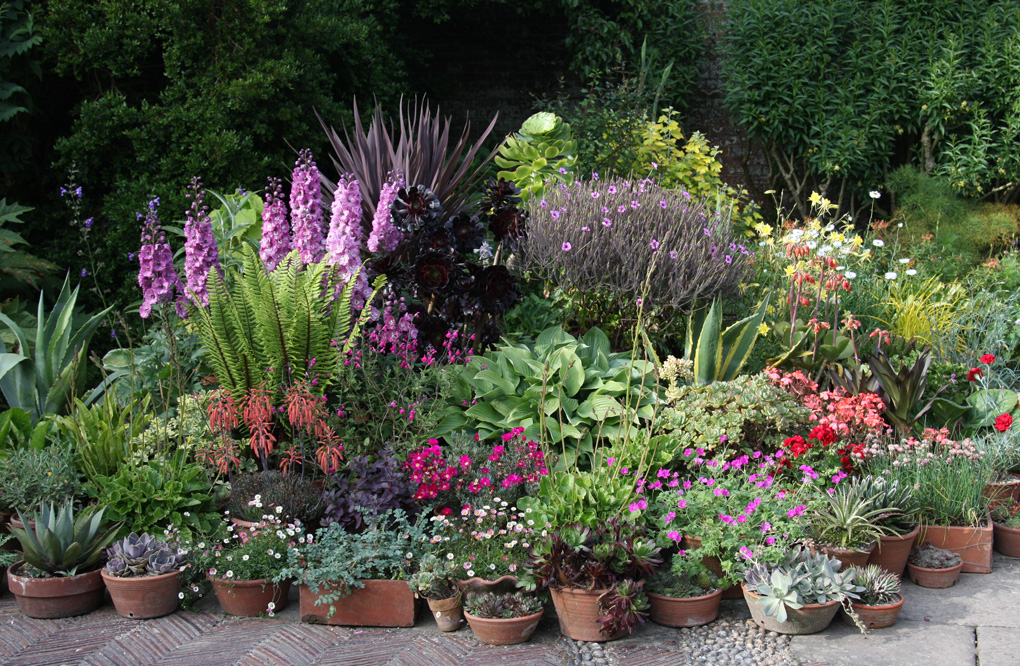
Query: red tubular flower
{"points": [[1003, 422], [973, 374]]}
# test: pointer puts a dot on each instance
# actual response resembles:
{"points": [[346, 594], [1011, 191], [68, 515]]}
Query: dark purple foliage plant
{"points": [[366, 488]]}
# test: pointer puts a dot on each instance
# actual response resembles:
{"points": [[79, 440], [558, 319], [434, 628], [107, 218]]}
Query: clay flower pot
{"points": [[250, 597], [64, 596], [501, 585], [1002, 492], [934, 578], [809, 619], [497, 631], [144, 597], [849, 557], [892, 552], [973, 544], [1007, 540], [380, 603], [875, 617], [684, 611], [448, 612], [578, 612], [712, 563]]}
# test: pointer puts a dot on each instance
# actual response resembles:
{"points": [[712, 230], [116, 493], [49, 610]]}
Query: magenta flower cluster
{"points": [[343, 243], [275, 226], [201, 253], [385, 237], [156, 275], [306, 209]]}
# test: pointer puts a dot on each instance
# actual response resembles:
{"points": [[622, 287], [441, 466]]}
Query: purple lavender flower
{"points": [[156, 274], [385, 237], [200, 252], [275, 226], [306, 209]]}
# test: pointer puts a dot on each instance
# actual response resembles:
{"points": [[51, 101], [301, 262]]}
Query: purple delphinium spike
{"points": [[156, 274], [275, 226], [384, 236], [306, 209], [343, 244], [201, 253]]}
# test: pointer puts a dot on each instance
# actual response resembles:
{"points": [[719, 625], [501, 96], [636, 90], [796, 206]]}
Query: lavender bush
{"points": [[611, 236]]}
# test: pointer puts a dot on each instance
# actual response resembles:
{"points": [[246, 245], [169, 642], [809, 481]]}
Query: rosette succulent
{"points": [[544, 150], [434, 271], [494, 288], [142, 555], [501, 606], [415, 209], [881, 588], [467, 232]]}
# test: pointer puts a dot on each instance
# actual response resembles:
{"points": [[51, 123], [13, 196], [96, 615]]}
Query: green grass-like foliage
{"points": [[273, 327], [62, 543]]}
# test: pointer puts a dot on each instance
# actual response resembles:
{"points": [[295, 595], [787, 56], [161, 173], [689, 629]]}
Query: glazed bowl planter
{"points": [[684, 611], [50, 598], [144, 597], [848, 556], [381, 603], [448, 612], [891, 552], [934, 578], [875, 617], [973, 544], [249, 598], [579, 612], [810, 619], [496, 631], [1007, 540]]}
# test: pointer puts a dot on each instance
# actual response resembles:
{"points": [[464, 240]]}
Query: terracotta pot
{"points": [[144, 597], [849, 557], [578, 612], [250, 597], [495, 631], [381, 603], [20, 525], [448, 612], [973, 544], [1002, 492], [875, 617], [246, 524], [892, 552], [809, 619], [684, 611], [64, 596], [713, 564], [11, 546], [499, 586], [934, 578], [1007, 540]]}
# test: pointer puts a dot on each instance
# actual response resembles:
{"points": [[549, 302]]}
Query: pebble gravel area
{"points": [[732, 640]]}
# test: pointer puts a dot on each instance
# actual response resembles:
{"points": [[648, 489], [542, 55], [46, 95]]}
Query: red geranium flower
{"points": [[988, 359], [1003, 422], [973, 374]]}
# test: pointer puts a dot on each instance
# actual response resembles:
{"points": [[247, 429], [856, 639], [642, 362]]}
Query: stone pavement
{"points": [[976, 623]]}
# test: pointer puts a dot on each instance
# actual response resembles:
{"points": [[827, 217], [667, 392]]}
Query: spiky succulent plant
{"points": [[880, 587], [62, 543], [504, 606], [142, 555]]}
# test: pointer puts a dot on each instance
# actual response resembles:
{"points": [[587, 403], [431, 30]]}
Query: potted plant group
{"points": [[359, 578], [930, 566], [502, 618], [435, 581], [59, 576], [896, 517], [1006, 518], [880, 598], [687, 594], [143, 576], [244, 567], [843, 525], [799, 595], [595, 576]]}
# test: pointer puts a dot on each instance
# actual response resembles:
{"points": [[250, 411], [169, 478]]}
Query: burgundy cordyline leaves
{"points": [[156, 274], [201, 254], [306, 209], [617, 234], [275, 226], [384, 237], [343, 243]]}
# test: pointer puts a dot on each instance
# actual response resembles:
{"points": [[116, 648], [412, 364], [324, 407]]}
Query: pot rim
{"points": [[1000, 526], [107, 577], [20, 563], [260, 582], [946, 570], [715, 593], [912, 534], [891, 606], [827, 604], [522, 619]]}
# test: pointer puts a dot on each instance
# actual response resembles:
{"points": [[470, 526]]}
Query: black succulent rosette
{"points": [[468, 232], [494, 289], [432, 329], [508, 224], [415, 208], [436, 238], [500, 194], [436, 272]]}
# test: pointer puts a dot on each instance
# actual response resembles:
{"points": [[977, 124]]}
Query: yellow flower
{"points": [[815, 198], [763, 328], [790, 270]]}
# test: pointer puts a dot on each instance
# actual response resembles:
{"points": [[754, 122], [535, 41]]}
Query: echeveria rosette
{"points": [[415, 208], [494, 289], [343, 243], [435, 272], [156, 274], [500, 194], [508, 223], [385, 237], [467, 231], [200, 252], [275, 226], [306, 209]]}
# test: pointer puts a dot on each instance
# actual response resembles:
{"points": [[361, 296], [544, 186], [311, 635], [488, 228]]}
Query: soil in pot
{"points": [[891, 552], [809, 619], [934, 578], [495, 631], [874, 617], [578, 612], [973, 544], [144, 597], [448, 612], [684, 612], [63, 596], [1007, 540], [250, 598]]}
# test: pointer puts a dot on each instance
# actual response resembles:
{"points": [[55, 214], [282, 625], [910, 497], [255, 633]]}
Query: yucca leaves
{"points": [[719, 355]]}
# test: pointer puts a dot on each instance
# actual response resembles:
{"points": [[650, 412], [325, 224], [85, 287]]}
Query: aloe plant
{"points": [[41, 374], [718, 354], [61, 543]]}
